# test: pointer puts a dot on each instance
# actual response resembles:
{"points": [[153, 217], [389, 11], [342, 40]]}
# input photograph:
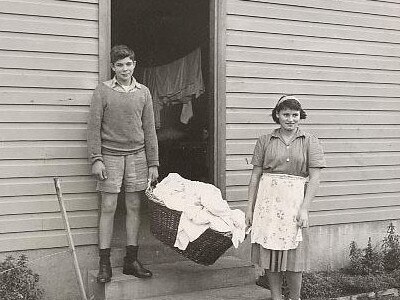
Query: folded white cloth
{"points": [[202, 207]]}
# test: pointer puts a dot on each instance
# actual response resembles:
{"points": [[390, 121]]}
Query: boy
{"points": [[122, 145]]}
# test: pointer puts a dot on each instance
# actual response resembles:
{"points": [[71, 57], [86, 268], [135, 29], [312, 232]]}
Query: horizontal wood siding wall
{"points": [[49, 67], [342, 59]]}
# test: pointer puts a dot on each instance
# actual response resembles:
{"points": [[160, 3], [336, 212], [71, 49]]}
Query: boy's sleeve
{"points": [[94, 127], [149, 130]]}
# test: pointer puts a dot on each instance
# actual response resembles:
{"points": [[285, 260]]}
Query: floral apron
{"points": [[277, 204]]}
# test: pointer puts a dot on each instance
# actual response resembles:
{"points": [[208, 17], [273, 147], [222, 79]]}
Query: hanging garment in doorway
{"points": [[177, 82]]}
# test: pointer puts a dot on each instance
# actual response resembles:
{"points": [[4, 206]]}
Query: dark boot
{"points": [[262, 281], [105, 270], [132, 266]]}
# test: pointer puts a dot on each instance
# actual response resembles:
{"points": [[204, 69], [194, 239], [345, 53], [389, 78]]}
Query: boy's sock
{"points": [[104, 254], [132, 252], [105, 270]]}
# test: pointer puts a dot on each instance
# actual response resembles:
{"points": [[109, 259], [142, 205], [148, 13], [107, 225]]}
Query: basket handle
{"points": [[151, 184], [149, 188], [149, 192]]}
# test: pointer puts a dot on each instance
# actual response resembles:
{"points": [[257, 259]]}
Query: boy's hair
{"points": [[288, 102], [120, 52]]}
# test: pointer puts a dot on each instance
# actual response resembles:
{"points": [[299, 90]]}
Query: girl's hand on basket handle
{"points": [[153, 173], [249, 218]]}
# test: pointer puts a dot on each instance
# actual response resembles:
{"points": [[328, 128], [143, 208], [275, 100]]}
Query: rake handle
{"points": [[57, 185]]}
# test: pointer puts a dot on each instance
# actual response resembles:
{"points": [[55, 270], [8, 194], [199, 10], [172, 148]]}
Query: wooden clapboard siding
{"points": [[35, 168], [238, 193], [342, 60], [285, 57], [44, 185], [312, 73], [43, 114], [46, 239], [48, 26], [41, 150], [242, 162], [307, 43], [330, 146], [42, 132], [299, 28], [318, 117], [48, 61], [45, 203], [246, 131], [48, 96], [48, 79], [313, 14], [377, 8], [46, 221], [49, 66], [51, 8], [241, 177], [15, 41]]}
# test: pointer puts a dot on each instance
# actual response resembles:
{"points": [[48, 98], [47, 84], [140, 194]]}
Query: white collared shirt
{"points": [[116, 86]]}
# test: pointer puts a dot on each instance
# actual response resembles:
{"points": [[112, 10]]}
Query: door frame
{"points": [[217, 76]]}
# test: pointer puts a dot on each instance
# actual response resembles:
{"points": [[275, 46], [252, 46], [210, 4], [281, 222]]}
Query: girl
{"points": [[285, 177]]}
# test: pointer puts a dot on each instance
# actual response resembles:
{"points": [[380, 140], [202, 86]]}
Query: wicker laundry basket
{"points": [[205, 250]]}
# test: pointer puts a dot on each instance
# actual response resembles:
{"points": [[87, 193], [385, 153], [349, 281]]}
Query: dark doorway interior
{"points": [[161, 32]]}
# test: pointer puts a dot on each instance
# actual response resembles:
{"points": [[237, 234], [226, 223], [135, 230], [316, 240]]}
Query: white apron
{"points": [[277, 204]]}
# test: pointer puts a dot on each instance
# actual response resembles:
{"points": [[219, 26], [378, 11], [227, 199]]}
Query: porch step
{"points": [[154, 252], [177, 278], [246, 292]]}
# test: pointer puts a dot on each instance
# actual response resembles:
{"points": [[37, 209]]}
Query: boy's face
{"points": [[123, 69]]}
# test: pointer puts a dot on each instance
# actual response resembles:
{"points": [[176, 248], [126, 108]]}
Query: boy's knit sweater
{"points": [[121, 124]]}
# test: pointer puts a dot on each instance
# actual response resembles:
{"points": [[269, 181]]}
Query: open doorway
{"points": [[162, 33]]}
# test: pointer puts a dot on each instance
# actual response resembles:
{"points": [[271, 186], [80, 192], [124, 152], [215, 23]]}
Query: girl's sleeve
{"points": [[258, 154], [316, 156]]}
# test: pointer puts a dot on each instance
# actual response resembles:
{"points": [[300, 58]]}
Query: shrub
{"points": [[356, 256], [356, 284], [325, 285], [17, 280], [320, 285], [372, 259], [371, 269], [396, 278], [391, 249], [364, 261]]}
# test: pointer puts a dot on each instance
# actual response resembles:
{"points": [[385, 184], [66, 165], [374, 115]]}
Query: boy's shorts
{"points": [[130, 169]]}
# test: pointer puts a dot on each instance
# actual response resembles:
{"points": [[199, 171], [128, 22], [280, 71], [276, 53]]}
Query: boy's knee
{"points": [[109, 202], [133, 206]]}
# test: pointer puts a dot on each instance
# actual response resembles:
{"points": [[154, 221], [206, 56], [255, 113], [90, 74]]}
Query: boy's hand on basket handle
{"points": [[153, 174]]}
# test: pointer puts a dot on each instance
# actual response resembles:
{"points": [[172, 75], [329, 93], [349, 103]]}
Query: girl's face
{"points": [[123, 69], [289, 119]]}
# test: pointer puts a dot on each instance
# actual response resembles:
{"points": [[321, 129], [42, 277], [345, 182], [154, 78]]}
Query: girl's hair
{"points": [[288, 102], [120, 52]]}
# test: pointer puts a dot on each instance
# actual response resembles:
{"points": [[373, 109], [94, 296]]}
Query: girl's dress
{"points": [[277, 243]]}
